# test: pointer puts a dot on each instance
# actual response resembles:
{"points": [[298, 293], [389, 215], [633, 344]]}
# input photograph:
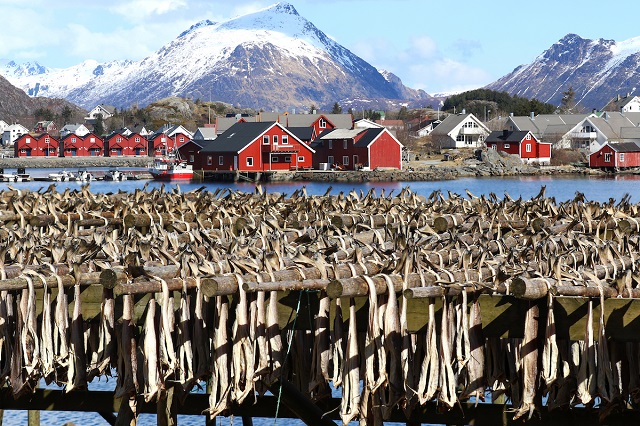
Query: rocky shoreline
{"points": [[73, 162], [487, 164]]}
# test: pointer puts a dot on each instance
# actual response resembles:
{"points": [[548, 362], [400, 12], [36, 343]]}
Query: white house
{"points": [[460, 131], [3, 126], [557, 129], [106, 111], [77, 129], [608, 127], [13, 132], [624, 104], [363, 123]]}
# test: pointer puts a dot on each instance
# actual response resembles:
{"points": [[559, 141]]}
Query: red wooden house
{"points": [[522, 143], [121, 145], [354, 149], [43, 145], [251, 147], [616, 156], [89, 145]]}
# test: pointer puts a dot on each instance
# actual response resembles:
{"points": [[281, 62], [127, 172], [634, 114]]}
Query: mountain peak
{"points": [[284, 7], [197, 25]]}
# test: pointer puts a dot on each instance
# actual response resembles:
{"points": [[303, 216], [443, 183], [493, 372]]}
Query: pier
{"points": [[442, 309]]}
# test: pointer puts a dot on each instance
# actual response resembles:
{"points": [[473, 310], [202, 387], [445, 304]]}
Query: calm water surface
{"points": [[561, 188]]}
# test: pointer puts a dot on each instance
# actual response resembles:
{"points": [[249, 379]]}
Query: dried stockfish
{"points": [[184, 342], [61, 333], [220, 384], [586, 361], [127, 384], [321, 349], [529, 362], [202, 347], [21, 379], [337, 346], [392, 341], [47, 357], [153, 383], [77, 371], [351, 371], [475, 366], [447, 395], [168, 358], [242, 352], [430, 371], [549, 370], [7, 320], [105, 354]]}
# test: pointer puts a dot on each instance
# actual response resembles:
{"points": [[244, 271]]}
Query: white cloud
{"points": [[135, 9], [424, 47]]}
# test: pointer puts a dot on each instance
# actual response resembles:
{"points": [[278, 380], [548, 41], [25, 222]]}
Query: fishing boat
{"points": [[115, 175], [84, 176], [15, 177], [170, 167], [63, 176]]}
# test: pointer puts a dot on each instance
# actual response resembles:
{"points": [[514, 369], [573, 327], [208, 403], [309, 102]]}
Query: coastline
{"points": [[414, 171]]}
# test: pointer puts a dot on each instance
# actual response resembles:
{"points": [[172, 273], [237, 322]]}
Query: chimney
{"points": [[314, 111], [510, 114], [532, 115], [606, 116], [464, 111]]}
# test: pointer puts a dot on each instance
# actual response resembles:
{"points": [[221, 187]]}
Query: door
{"points": [[356, 163]]}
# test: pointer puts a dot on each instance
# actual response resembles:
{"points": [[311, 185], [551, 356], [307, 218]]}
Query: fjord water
{"points": [[601, 188]]}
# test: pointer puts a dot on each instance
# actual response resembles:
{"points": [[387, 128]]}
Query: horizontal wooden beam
{"points": [[265, 407]]}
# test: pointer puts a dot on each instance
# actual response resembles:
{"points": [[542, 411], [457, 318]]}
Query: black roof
{"points": [[302, 133], [368, 137], [236, 137], [625, 147], [506, 136]]}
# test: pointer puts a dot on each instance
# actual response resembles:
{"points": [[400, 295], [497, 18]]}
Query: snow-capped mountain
{"points": [[597, 70], [273, 58]]}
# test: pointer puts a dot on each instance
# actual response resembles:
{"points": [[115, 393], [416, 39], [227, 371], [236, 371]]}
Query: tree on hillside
{"points": [[98, 127], [403, 113], [568, 102], [337, 109], [66, 114], [43, 114]]}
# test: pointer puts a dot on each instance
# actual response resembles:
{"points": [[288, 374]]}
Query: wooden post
{"points": [[167, 409]]}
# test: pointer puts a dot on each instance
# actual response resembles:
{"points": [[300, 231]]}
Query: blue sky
{"points": [[437, 46]]}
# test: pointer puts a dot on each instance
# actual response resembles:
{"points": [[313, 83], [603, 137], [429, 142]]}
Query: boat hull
{"points": [[165, 175]]}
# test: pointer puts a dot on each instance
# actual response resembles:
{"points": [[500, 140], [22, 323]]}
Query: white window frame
{"points": [[527, 147], [322, 123], [249, 161], [285, 139], [275, 140], [265, 140], [287, 159], [621, 157], [220, 160], [300, 159], [209, 160], [528, 137], [507, 146], [344, 144], [607, 157], [330, 160], [275, 159], [330, 143], [345, 160]]}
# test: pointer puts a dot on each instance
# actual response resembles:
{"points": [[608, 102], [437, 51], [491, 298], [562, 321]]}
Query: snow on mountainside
{"points": [[598, 70], [273, 58]]}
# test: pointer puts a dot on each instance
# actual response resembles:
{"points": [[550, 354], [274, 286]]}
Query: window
{"points": [[221, 160], [73, 140], [330, 160], [249, 161], [330, 144], [507, 146], [528, 137], [527, 147], [322, 123], [287, 159], [460, 138], [345, 160], [344, 144], [285, 140], [137, 139], [163, 139], [274, 159], [493, 146], [27, 140], [209, 160], [265, 140], [622, 157], [118, 140], [92, 139], [607, 157], [191, 158], [300, 159], [275, 139]]}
